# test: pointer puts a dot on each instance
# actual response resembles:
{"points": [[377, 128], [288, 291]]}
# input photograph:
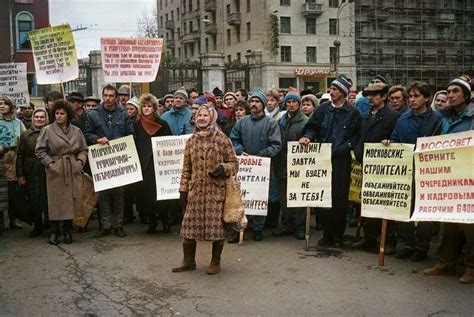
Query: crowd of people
{"points": [[44, 152]]}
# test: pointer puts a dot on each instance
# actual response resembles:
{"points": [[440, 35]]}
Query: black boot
{"points": [[53, 236], [164, 221], [37, 228], [152, 226], [67, 231]]}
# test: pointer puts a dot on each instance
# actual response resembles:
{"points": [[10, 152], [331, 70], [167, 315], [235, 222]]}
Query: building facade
{"points": [[17, 18], [407, 40], [281, 43]]}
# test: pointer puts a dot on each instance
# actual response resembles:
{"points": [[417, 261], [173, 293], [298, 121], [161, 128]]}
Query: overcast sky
{"points": [[101, 17]]}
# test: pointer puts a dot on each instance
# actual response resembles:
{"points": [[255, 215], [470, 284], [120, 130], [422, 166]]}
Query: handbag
{"points": [[233, 205]]}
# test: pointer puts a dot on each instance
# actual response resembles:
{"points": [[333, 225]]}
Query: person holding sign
{"points": [[109, 122], [338, 123], [458, 117], [419, 121], [62, 150], [209, 160], [291, 128], [149, 125], [256, 134], [376, 126]]}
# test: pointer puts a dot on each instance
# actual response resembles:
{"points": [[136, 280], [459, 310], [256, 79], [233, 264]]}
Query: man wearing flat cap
{"points": [[77, 103], [124, 95], [91, 103]]}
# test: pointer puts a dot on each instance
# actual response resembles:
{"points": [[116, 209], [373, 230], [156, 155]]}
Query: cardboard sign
{"points": [[309, 175], [168, 157], [130, 60], [14, 84], [254, 178], [356, 182], [54, 53], [115, 164], [387, 181], [445, 178]]}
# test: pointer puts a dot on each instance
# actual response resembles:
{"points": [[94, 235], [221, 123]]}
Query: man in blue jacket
{"points": [[256, 134], [338, 123], [109, 122], [178, 116]]}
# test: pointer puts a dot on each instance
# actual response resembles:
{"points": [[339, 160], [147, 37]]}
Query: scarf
{"points": [[212, 127], [272, 113], [149, 124]]}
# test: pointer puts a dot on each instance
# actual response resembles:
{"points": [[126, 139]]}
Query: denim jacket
{"points": [[113, 125]]}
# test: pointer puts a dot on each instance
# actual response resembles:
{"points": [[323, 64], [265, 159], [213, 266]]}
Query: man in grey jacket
{"points": [[259, 135]]}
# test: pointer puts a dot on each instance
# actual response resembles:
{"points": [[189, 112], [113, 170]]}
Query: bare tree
{"points": [[148, 24]]}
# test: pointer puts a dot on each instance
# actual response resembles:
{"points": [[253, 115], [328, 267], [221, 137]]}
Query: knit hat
{"points": [[124, 90], [181, 92], [200, 101], [217, 92], [230, 93], [292, 96], [312, 98], [260, 94], [463, 82], [9, 102], [342, 84], [380, 78], [211, 98], [167, 96], [135, 102]]}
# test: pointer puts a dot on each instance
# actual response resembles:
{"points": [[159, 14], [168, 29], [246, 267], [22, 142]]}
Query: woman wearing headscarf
{"points": [[309, 103], [31, 173], [209, 160], [440, 100], [10, 132], [148, 126], [62, 149]]}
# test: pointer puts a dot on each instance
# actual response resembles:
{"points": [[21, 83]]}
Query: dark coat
{"points": [[410, 127], [98, 124], [26, 156], [376, 128], [80, 121]]}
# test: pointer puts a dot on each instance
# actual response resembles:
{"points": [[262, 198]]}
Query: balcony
{"points": [[169, 25], [191, 37], [170, 44], [210, 6], [234, 18], [312, 9], [210, 28]]}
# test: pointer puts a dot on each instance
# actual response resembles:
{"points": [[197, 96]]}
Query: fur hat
{"points": [[217, 92], [342, 84], [181, 92], [260, 94]]}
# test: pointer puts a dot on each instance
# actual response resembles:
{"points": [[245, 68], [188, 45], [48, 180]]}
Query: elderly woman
{"points": [[31, 173], [62, 150], [440, 100], [209, 160], [309, 103], [10, 132], [148, 126]]}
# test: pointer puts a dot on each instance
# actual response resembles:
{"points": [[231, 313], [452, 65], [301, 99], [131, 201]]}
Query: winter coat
{"points": [[458, 122], [258, 136], [338, 126], [177, 119], [26, 161], [64, 178], [376, 128], [410, 127], [291, 130], [113, 125], [203, 216], [11, 130]]}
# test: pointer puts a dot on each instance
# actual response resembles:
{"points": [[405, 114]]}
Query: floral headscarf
{"points": [[212, 127]]}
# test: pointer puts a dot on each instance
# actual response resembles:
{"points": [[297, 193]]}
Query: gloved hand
{"points": [[217, 172], [183, 200]]}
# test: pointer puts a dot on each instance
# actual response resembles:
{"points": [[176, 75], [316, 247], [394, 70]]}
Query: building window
{"points": [[239, 57], [24, 23], [191, 27], [237, 34], [310, 54], [179, 32], [237, 5], [285, 53], [227, 9], [190, 5], [229, 59], [249, 31], [229, 38], [286, 82], [214, 43], [166, 3], [310, 25], [333, 27], [184, 28], [206, 45], [191, 49], [285, 25], [248, 5], [285, 2], [177, 14], [161, 4], [333, 3], [172, 15], [161, 22], [167, 18]]}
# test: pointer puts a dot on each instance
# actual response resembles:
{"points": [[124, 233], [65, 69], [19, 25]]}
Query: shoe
{"points": [[325, 242], [119, 232], [389, 249], [103, 233], [189, 257], [405, 254], [215, 266], [35, 233], [337, 243], [366, 246], [281, 232], [257, 235], [234, 237], [468, 276], [151, 229], [439, 269], [419, 256], [300, 235], [53, 238], [15, 225], [67, 237]]}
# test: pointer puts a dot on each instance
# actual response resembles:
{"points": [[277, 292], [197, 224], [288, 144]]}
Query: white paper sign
{"points": [[168, 156], [254, 178], [14, 84], [115, 164]]}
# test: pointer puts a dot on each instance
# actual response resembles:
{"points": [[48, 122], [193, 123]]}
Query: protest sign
{"points": [[130, 60], [254, 178], [445, 178], [14, 84], [356, 182], [115, 164], [387, 181], [168, 156], [54, 53], [309, 175]]}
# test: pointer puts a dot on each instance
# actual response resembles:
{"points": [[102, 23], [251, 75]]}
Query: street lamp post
{"points": [[337, 45]]}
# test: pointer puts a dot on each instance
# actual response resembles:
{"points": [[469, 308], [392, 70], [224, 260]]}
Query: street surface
{"points": [[276, 277]]}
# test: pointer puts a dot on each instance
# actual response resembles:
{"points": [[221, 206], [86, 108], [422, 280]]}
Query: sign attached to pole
{"points": [[14, 83], [130, 60], [54, 53]]}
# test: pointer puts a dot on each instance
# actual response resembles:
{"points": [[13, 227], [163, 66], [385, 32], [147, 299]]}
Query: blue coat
{"points": [[453, 122], [177, 119], [410, 127], [113, 125]]}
